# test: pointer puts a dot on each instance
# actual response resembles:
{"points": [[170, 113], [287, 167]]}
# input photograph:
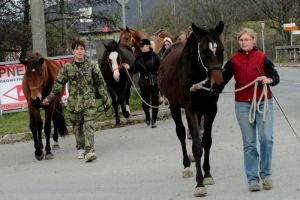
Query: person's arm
{"points": [[227, 72], [58, 86], [271, 72], [99, 86], [134, 68]]}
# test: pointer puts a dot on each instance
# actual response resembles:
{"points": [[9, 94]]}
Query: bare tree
{"points": [[279, 12], [62, 23]]}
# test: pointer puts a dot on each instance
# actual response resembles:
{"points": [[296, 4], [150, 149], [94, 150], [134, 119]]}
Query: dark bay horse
{"points": [[37, 84], [116, 77], [190, 77], [131, 37]]}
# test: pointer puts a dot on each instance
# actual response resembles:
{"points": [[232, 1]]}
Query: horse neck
{"points": [[138, 35], [190, 60]]}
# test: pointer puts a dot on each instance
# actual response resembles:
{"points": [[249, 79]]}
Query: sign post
{"points": [[290, 27], [263, 35], [123, 2]]}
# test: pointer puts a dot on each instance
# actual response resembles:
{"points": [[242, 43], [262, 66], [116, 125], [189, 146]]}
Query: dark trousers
{"points": [[147, 93]]}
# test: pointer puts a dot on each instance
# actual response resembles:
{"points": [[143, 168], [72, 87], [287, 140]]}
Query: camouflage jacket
{"points": [[85, 85]]}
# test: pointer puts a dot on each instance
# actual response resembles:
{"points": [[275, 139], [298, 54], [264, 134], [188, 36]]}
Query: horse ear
{"points": [[197, 30], [41, 61], [219, 28], [104, 44], [24, 61], [127, 29]]}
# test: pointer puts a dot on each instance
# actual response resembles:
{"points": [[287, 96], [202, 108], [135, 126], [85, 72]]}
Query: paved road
{"points": [[140, 163]]}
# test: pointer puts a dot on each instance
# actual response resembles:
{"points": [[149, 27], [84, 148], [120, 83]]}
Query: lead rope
{"points": [[255, 105], [136, 90]]}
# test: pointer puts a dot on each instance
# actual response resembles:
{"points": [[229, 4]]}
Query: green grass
{"points": [[12, 123]]}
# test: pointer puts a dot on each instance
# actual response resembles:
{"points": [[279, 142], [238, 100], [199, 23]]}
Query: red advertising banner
{"points": [[11, 93]]}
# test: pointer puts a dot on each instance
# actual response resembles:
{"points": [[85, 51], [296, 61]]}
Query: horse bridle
{"points": [[202, 63], [119, 65], [206, 69]]}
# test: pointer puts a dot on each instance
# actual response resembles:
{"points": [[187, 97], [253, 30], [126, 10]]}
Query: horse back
{"points": [[170, 78]]}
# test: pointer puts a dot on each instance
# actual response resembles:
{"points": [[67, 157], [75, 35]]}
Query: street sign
{"points": [[290, 27], [15, 93], [297, 32]]}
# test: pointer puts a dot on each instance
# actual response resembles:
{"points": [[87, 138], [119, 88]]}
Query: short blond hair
{"points": [[249, 31]]}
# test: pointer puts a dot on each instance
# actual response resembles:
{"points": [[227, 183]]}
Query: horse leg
{"points": [[180, 131], [59, 124], [207, 141], [127, 97], [197, 149], [47, 130], [55, 137], [125, 113], [115, 107], [36, 129]]}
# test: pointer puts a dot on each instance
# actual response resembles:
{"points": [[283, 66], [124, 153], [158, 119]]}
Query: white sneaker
{"points": [[80, 153], [89, 157]]}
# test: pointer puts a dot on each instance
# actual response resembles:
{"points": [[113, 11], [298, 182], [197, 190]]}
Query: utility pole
{"points": [[38, 27], [123, 2], [140, 13], [263, 35]]}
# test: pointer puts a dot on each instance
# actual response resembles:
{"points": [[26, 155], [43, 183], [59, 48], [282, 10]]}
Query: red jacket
{"points": [[246, 67]]}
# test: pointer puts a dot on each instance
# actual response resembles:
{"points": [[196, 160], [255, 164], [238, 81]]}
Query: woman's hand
{"points": [[265, 80]]}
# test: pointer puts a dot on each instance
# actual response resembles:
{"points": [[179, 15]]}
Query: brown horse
{"points": [[37, 84], [131, 37], [162, 33], [190, 77]]}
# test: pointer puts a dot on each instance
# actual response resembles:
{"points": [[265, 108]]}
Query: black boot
{"points": [[147, 120], [153, 124]]}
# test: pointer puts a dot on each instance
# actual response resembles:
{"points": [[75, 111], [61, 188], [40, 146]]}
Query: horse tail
{"points": [[59, 120]]}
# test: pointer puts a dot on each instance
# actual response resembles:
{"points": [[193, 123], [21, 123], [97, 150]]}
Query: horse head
{"points": [[208, 47], [35, 75], [163, 33], [127, 37], [131, 37], [114, 58]]}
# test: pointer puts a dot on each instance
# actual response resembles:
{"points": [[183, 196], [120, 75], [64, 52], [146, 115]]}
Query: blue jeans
{"points": [[257, 164]]}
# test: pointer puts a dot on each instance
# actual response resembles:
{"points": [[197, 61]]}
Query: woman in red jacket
{"points": [[246, 65]]}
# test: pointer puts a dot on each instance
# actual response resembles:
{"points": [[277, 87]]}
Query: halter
{"points": [[119, 65], [201, 61], [206, 70]]}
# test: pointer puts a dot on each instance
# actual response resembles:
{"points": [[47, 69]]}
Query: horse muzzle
{"points": [[36, 102]]}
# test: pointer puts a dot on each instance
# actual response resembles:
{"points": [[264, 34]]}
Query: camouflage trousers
{"points": [[84, 129]]}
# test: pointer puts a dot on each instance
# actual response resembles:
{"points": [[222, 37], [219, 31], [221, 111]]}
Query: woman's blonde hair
{"points": [[249, 31]]}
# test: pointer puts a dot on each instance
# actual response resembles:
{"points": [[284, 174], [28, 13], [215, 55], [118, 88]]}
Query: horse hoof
{"points": [[187, 173], [191, 157], [49, 156], [128, 109], [39, 157], [117, 125], [126, 114], [200, 192], [208, 181], [55, 146]]}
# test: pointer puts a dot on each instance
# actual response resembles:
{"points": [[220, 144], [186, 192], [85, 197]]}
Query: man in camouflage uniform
{"points": [[85, 85]]}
